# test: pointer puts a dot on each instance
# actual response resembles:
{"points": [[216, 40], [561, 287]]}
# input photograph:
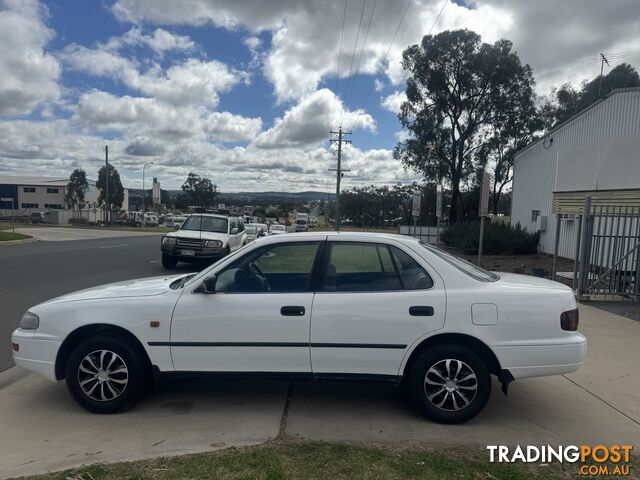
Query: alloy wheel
{"points": [[450, 384], [103, 375]]}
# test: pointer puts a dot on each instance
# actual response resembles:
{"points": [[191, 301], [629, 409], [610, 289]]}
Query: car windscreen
{"points": [[469, 268], [301, 222], [205, 224]]}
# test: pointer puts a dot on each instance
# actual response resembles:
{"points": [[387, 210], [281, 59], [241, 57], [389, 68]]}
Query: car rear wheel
{"points": [[449, 384], [105, 374], [169, 262]]}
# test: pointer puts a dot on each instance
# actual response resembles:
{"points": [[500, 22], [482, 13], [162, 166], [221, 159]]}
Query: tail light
{"points": [[569, 320]]}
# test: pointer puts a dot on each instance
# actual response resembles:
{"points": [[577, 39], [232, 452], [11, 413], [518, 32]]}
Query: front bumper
{"points": [[199, 253], [36, 353], [539, 360]]}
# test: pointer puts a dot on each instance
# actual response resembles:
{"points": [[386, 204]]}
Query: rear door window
{"points": [[372, 267]]}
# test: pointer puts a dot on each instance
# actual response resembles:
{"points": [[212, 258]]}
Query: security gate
{"points": [[610, 253]]}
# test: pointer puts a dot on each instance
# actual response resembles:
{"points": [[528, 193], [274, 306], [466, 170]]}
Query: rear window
{"points": [[468, 268]]}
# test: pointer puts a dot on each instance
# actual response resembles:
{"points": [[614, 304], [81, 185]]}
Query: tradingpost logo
{"points": [[598, 460]]}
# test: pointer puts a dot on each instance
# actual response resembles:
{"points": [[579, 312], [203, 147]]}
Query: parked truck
{"points": [[302, 222]]}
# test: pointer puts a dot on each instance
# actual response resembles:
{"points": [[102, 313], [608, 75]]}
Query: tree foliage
{"points": [[457, 87], [199, 192], [566, 101], [76, 188], [116, 190]]}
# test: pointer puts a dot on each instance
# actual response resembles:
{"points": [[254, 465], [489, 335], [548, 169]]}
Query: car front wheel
{"points": [[169, 262], [105, 374], [449, 384]]}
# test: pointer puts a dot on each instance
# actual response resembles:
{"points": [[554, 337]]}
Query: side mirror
{"points": [[234, 231], [208, 285]]}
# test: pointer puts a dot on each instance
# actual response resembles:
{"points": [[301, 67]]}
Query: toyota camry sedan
{"points": [[311, 306]]}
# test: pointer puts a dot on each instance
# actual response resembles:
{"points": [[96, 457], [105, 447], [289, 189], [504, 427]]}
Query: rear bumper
{"points": [[36, 354], [538, 360]]}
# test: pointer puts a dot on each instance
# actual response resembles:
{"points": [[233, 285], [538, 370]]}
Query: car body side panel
{"points": [[133, 314]]}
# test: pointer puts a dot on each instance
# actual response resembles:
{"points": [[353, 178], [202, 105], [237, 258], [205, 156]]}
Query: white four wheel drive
{"points": [[202, 237], [313, 306]]}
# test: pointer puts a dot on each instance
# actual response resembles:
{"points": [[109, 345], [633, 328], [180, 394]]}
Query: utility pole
{"points": [[603, 60], [340, 140], [106, 182]]}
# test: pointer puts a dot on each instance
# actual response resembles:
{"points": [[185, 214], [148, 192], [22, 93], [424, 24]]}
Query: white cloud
{"points": [[252, 43], [28, 74], [394, 101], [159, 41], [154, 119], [232, 128], [309, 122], [193, 82], [550, 36]]}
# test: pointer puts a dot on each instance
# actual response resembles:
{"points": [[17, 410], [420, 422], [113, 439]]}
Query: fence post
{"points": [[584, 248], [554, 265], [576, 257]]}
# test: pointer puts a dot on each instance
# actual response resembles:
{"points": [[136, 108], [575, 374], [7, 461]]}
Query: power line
{"points": [[333, 104], [438, 17], [386, 55], [353, 56], [364, 43]]}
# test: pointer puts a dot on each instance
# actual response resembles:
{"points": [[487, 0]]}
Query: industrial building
{"points": [[23, 196], [594, 155]]}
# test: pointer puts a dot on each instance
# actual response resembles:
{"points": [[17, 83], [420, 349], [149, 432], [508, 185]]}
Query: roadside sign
{"points": [[484, 194], [415, 209], [439, 201]]}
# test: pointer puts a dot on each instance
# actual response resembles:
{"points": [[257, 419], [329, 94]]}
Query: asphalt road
{"points": [[34, 272]]}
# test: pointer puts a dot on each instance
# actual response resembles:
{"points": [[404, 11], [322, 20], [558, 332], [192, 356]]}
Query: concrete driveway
{"points": [[61, 234], [44, 430]]}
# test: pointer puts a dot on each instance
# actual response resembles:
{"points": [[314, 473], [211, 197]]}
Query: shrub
{"points": [[78, 221], [499, 238]]}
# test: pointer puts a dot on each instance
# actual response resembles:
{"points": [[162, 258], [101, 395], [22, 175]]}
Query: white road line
{"points": [[116, 246]]}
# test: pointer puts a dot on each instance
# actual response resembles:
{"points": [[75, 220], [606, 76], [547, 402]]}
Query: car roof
{"points": [[356, 235]]}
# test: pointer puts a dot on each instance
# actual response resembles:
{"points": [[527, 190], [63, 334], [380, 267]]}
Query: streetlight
{"points": [[144, 207]]}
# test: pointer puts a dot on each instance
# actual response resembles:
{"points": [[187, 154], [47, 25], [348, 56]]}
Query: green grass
{"points": [[126, 229], [290, 460], [6, 236]]}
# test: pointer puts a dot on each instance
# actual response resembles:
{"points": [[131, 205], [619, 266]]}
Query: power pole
{"points": [[339, 171], [106, 182], [603, 60]]}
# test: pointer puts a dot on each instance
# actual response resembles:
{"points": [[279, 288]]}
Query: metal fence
{"points": [[425, 234], [609, 253]]}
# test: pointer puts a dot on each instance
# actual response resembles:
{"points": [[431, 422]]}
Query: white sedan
{"points": [[323, 306]]}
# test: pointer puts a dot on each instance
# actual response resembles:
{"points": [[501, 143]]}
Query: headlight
{"points": [[213, 243], [168, 240], [29, 321]]}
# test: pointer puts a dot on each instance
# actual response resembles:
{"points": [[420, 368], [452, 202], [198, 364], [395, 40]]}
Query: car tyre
{"points": [[449, 384], [105, 374], [169, 262]]}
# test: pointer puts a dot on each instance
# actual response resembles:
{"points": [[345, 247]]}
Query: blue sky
{"points": [[245, 92]]}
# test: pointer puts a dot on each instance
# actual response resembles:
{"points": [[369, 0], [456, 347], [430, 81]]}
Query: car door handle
{"points": [[421, 311], [292, 311]]}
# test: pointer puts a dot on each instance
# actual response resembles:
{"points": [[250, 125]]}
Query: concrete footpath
{"points": [[61, 234], [44, 430]]}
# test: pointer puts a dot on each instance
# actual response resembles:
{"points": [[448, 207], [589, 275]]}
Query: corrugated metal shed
{"points": [[615, 116]]}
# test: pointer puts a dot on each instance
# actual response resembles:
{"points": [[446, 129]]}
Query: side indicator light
{"points": [[154, 324]]}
